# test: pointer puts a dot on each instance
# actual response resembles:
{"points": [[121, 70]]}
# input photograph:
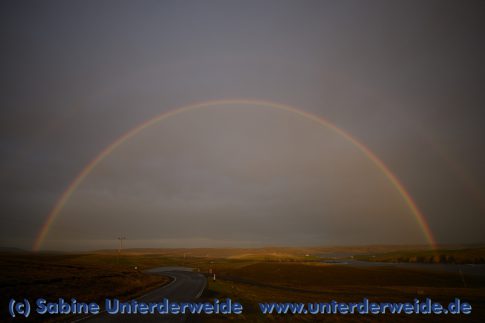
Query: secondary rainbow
{"points": [[64, 197]]}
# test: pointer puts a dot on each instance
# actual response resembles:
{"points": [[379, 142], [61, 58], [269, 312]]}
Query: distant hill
{"points": [[273, 253], [439, 256], [13, 250]]}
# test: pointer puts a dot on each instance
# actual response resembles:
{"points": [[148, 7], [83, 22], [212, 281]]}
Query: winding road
{"points": [[186, 285]]}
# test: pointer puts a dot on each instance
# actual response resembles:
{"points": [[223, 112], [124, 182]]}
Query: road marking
{"points": [[202, 290]]}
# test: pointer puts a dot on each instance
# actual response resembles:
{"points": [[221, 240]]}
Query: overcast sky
{"points": [[406, 78]]}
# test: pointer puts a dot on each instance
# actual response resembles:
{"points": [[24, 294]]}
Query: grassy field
{"points": [[84, 277], [250, 276], [309, 282], [413, 254]]}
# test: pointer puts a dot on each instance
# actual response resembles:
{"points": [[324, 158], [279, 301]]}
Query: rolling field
{"points": [[250, 276], [309, 282], [84, 277]]}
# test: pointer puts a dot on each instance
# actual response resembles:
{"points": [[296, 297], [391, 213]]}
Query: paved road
{"points": [[186, 286]]}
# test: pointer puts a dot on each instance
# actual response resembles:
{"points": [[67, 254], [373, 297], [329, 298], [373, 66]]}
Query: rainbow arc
{"points": [[70, 190]]}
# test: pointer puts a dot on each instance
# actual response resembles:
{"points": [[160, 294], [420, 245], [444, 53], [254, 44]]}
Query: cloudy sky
{"points": [[405, 78]]}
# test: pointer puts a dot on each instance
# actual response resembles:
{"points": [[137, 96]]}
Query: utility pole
{"points": [[119, 249]]}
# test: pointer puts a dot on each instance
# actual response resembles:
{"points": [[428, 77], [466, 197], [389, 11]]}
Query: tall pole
{"points": [[119, 249]]}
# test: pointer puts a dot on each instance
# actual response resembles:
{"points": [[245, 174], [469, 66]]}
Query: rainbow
{"points": [[64, 197]]}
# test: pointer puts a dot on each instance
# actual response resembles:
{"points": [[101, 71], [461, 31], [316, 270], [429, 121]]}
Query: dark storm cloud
{"points": [[406, 78]]}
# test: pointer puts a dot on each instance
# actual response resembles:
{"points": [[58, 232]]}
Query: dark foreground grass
{"points": [[81, 277], [308, 282]]}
